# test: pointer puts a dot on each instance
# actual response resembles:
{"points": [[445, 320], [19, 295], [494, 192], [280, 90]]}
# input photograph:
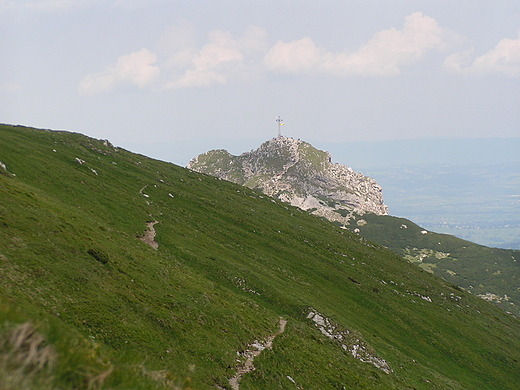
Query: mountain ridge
{"points": [[297, 173]]}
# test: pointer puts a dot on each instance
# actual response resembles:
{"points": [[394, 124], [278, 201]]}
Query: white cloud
{"points": [[135, 69], [297, 56], [182, 64], [384, 55], [503, 59], [222, 58], [254, 41], [457, 61], [225, 58], [210, 65]]}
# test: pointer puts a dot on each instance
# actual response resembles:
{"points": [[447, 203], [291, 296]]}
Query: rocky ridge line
{"points": [[297, 173]]}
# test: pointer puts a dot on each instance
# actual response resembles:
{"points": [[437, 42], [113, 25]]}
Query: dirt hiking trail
{"points": [[251, 354]]}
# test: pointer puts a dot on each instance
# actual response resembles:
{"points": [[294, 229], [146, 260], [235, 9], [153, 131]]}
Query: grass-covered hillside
{"points": [[297, 173], [490, 273], [85, 303]]}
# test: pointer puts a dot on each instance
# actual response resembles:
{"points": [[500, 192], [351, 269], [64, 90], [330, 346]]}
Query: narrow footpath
{"points": [[251, 354]]}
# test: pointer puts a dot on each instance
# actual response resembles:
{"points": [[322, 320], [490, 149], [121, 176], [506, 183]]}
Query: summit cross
{"points": [[280, 124]]}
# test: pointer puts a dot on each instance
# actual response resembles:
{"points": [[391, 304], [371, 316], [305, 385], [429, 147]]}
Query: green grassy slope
{"points": [[101, 309], [491, 273]]}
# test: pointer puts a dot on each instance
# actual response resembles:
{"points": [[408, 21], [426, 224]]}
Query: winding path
{"points": [[251, 354]]}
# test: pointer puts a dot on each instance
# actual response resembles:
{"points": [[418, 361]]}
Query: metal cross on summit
{"points": [[280, 124]]}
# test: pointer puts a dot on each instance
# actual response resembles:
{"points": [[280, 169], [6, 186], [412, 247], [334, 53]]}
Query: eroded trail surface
{"points": [[149, 235], [251, 354]]}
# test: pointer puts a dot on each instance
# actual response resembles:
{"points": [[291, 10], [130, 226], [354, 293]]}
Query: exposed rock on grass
{"points": [[149, 235]]}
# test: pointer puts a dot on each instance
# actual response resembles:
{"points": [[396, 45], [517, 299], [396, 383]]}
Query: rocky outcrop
{"points": [[349, 341], [297, 173]]}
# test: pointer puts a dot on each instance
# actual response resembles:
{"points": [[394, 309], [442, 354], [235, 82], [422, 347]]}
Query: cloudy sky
{"points": [[143, 72]]}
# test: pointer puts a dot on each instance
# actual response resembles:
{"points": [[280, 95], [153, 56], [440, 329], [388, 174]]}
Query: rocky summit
{"points": [[297, 173]]}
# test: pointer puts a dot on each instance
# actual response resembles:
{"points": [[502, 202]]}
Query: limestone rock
{"points": [[297, 173]]}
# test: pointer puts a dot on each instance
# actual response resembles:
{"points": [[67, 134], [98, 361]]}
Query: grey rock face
{"points": [[297, 173]]}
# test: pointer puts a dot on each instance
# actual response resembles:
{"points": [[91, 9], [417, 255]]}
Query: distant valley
{"points": [[480, 203]]}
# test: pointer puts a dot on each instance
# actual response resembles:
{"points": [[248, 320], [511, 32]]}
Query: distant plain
{"points": [[469, 188]]}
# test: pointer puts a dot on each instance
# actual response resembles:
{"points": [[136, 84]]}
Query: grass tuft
{"points": [[25, 357]]}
